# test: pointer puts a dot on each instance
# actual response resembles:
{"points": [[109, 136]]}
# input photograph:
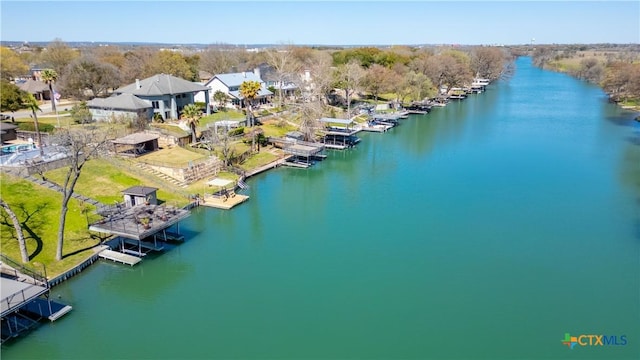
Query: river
{"points": [[486, 229]]}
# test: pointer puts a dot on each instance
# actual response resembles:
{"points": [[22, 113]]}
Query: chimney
{"points": [[138, 86], [307, 75], [257, 72]]}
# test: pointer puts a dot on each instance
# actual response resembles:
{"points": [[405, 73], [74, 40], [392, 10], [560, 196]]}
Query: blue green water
{"points": [[487, 229]]}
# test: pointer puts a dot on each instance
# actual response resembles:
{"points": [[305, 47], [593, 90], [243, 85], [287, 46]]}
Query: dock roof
{"points": [[140, 190]]}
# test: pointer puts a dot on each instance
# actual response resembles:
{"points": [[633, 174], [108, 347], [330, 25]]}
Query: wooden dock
{"points": [[119, 257], [224, 203]]}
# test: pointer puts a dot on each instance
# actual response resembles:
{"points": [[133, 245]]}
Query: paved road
{"points": [[46, 110]]}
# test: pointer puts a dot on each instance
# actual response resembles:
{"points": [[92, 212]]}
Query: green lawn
{"points": [[219, 116], [175, 156], [272, 128], [38, 208], [258, 160]]}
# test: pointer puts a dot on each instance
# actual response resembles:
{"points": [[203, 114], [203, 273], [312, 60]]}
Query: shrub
{"points": [[237, 131], [29, 126]]}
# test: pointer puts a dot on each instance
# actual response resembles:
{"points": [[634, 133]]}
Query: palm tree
{"points": [[31, 103], [249, 91], [49, 76], [16, 225], [192, 114]]}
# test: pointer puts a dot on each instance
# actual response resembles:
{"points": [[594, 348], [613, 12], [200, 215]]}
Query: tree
{"points": [[11, 65], [249, 91], [80, 113], [487, 62], [449, 69], [349, 78], [192, 113], [88, 73], [172, 63], [219, 61], [109, 54], [81, 144], [377, 78], [58, 55], [286, 68], [137, 64], [16, 225], [30, 102], [11, 97], [221, 98], [50, 76]]}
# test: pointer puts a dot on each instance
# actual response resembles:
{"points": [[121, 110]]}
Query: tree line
{"points": [[615, 68], [409, 72]]}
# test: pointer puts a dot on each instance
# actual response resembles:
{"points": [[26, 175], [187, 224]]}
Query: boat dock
{"points": [[223, 202], [119, 257]]}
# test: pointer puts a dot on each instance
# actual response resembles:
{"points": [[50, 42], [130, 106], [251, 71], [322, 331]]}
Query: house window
{"points": [[155, 104]]}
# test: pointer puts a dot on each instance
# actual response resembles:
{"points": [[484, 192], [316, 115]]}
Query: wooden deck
{"points": [[119, 257], [223, 203]]}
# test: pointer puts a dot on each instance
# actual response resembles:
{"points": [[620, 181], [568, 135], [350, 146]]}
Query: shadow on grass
{"points": [[30, 224], [97, 238]]}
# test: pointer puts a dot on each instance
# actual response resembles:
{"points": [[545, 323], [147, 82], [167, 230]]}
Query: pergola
{"points": [[135, 144]]}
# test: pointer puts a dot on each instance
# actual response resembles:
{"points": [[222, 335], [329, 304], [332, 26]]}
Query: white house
{"points": [[229, 84]]}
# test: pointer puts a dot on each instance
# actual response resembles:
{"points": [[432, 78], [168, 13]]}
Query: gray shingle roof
{"points": [[162, 84], [135, 139], [139, 190], [33, 86], [120, 102]]}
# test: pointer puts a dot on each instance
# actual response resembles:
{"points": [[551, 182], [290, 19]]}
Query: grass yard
{"points": [[175, 156], [104, 182], [219, 116], [272, 128], [257, 160], [38, 209]]}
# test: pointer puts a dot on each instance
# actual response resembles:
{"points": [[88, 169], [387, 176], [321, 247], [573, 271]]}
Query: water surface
{"points": [[486, 229]]}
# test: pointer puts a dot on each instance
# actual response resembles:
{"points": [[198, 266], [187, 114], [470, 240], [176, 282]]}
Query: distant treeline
{"points": [[616, 68]]}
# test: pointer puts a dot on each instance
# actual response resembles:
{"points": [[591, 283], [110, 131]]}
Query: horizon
{"points": [[323, 23]]}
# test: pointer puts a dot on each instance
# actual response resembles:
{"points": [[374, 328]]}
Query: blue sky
{"points": [[323, 22]]}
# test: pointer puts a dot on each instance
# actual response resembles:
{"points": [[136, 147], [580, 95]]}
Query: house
{"points": [[120, 106], [168, 94], [137, 195], [230, 83], [37, 88], [287, 83]]}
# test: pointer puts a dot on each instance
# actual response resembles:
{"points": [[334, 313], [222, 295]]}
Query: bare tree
{"points": [[219, 61], [16, 225], [58, 55], [488, 62], [286, 68], [81, 145], [377, 79], [88, 73], [349, 78]]}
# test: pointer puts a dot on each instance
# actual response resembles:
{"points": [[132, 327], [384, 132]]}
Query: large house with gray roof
{"points": [[230, 85], [168, 94], [120, 106]]}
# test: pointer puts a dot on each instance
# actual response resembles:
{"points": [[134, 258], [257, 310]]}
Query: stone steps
{"points": [[163, 176], [58, 188]]}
